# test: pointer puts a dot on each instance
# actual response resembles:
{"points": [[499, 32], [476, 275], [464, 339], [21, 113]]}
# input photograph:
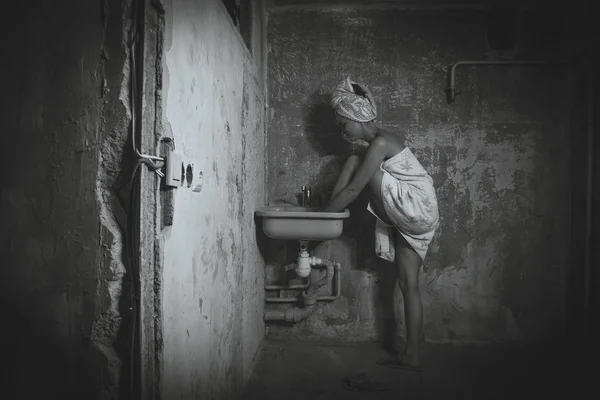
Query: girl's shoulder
{"points": [[394, 141], [395, 136]]}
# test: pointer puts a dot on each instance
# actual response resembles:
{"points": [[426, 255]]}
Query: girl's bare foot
{"points": [[402, 361]]}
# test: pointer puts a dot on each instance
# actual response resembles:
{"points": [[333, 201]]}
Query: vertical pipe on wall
{"points": [[146, 14], [589, 192], [135, 226], [594, 262], [264, 59], [581, 185]]}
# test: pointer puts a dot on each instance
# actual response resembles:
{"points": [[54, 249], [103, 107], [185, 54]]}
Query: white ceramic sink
{"points": [[301, 223]]}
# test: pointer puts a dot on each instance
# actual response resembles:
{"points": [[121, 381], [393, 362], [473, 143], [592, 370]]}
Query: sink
{"points": [[301, 223]]}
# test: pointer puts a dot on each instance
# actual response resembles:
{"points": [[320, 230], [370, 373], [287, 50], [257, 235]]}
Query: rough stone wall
{"points": [[65, 115], [212, 295], [498, 156]]}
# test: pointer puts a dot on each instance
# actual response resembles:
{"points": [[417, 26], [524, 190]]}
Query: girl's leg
{"points": [[346, 175], [409, 264]]}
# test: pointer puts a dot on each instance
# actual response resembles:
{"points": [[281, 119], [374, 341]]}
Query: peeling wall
{"points": [[62, 275], [213, 271], [499, 159]]}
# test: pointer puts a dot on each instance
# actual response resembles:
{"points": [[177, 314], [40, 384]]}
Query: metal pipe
{"points": [[304, 189], [336, 293], [289, 314], [589, 193], [312, 289], [297, 314], [281, 299], [338, 285], [452, 92], [291, 287], [289, 267]]}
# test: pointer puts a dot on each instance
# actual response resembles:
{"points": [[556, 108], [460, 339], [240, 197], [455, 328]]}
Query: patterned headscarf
{"points": [[347, 103]]}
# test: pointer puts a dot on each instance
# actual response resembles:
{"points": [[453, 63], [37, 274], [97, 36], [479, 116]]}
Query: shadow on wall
{"points": [[323, 135]]}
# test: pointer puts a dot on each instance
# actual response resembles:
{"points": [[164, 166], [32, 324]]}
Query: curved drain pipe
{"points": [[290, 287], [308, 297]]}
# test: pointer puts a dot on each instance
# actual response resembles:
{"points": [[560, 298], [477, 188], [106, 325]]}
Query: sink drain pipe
{"points": [[302, 286], [309, 296]]}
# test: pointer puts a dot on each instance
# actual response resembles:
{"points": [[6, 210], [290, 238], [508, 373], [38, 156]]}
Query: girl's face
{"points": [[351, 131]]}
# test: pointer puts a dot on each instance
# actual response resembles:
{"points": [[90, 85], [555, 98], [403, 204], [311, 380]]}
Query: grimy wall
{"points": [[63, 277], [213, 273], [499, 158]]}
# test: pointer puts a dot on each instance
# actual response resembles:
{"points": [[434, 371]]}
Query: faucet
{"points": [[306, 196]]}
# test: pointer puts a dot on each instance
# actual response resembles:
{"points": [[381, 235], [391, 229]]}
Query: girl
{"points": [[403, 200]]}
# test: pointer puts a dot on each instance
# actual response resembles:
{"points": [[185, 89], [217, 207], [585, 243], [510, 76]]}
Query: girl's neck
{"points": [[370, 131]]}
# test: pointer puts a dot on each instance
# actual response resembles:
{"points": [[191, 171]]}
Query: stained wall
{"points": [[499, 158], [213, 272]]}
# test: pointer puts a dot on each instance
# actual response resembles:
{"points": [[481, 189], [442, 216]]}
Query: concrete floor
{"points": [[308, 370]]}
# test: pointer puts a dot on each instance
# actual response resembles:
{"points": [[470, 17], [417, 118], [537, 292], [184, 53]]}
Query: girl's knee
{"points": [[407, 284], [409, 265]]}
